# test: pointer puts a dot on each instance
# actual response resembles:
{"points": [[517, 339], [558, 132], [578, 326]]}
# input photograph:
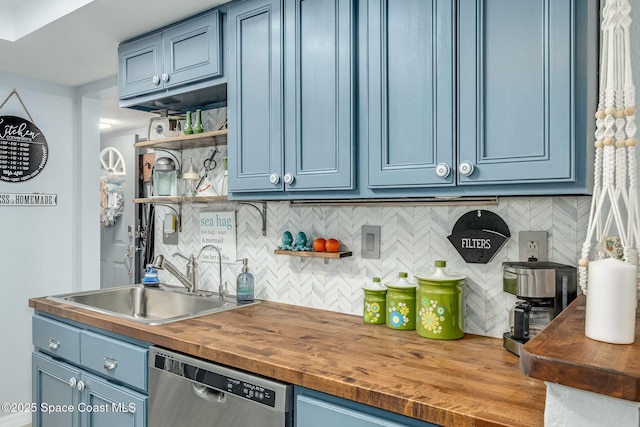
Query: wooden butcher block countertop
{"points": [[562, 353], [468, 382]]}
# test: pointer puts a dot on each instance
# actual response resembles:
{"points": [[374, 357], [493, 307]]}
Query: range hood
{"points": [[188, 100]]}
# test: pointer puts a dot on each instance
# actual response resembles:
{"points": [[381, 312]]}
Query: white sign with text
{"points": [[218, 229]]}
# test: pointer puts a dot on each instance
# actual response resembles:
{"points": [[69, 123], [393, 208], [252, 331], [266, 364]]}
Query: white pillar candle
{"points": [[611, 301]]}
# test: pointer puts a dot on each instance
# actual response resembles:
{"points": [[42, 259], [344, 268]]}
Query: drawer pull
{"points": [[54, 344], [110, 363], [80, 386], [72, 382]]}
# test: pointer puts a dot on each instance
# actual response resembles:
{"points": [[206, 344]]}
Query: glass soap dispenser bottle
{"points": [[245, 284]]}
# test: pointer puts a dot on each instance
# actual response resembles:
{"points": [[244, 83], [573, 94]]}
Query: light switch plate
{"points": [[370, 247]]}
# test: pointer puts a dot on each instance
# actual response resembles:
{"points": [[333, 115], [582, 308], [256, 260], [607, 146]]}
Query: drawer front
{"points": [[56, 338], [115, 359]]}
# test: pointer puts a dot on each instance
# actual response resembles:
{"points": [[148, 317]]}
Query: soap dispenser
{"points": [[245, 284]]}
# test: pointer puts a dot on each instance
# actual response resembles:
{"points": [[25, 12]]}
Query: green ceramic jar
{"points": [[440, 304], [375, 296], [401, 304]]}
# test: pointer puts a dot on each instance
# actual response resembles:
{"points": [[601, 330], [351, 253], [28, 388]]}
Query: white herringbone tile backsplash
{"points": [[412, 238]]}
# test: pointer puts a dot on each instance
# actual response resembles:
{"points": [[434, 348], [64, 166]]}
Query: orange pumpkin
{"points": [[332, 245]]}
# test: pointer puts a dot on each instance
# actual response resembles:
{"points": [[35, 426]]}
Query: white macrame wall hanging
{"points": [[614, 221]]}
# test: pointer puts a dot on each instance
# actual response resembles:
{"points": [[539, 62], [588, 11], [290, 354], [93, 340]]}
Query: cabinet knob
{"points": [[72, 382], [443, 170], [110, 363], [466, 168], [274, 178], [80, 386], [289, 178], [54, 344], [165, 77], [155, 80]]}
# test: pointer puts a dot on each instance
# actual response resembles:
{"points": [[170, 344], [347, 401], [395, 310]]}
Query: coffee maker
{"points": [[543, 289]]}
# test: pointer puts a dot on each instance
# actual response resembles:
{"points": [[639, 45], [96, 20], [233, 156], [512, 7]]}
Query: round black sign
{"points": [[23, 149]]}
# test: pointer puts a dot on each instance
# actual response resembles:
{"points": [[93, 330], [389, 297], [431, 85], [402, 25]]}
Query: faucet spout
{"points": [[161, 263], [221, 289]]}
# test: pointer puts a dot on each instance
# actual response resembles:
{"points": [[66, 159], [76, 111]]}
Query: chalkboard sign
{"points": [[23, 149]]}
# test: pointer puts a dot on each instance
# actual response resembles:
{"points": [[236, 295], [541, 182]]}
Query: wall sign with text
{"points": [[478, 235], [218, 229], [28, 199], [23, 149]]}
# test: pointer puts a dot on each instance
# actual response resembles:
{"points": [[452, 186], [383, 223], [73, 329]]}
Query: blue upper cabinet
{"points": [[180, 55], [255, 146], [499, 104], [411, 93], [319, 93], [291, 97], [192, 50], [526, 74], [140, 64], [454, 98]]}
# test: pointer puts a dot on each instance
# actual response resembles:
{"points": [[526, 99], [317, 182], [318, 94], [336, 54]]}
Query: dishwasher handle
{"points": [[209, 394]]}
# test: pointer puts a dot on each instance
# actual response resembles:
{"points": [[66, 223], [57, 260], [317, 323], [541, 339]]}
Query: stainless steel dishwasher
{"points": [[185, 391]]}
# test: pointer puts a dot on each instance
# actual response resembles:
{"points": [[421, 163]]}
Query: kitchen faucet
{"points": [[221, 290], [188, 280]]}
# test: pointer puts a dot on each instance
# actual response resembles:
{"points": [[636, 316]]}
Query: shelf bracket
{"points": [[178, 213], [263, 214]]}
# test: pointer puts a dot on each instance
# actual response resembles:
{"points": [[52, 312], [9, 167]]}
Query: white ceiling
{"points": [[75, 42]]}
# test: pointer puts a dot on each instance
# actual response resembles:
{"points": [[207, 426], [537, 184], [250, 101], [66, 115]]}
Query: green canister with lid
{"points": [[375, 296], [440, 304], [401, 304]]}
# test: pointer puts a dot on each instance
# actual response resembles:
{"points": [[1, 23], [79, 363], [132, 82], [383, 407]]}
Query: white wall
{"points": [[46, 250]]}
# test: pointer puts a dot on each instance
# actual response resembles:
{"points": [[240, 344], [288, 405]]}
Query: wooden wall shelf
{"points": [[314, 254], [180, 199], [184, 142]]}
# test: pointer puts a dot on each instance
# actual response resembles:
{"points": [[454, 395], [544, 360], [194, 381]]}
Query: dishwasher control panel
{"points": [[251, 391], [217, 380]]}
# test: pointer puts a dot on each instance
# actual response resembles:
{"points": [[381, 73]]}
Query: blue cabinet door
{"points": [[109, 405], [192, 50], [517, 91], [411, 93], [53, 386], [319, 75], [255, 96], [315, 409], [140, 66]]}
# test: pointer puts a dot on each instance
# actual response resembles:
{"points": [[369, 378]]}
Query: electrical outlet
{"points": [[533, 246], [532, 249]]}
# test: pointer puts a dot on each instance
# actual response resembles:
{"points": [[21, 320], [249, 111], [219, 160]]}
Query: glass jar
{"points": [[164, 177], [190, 181]]}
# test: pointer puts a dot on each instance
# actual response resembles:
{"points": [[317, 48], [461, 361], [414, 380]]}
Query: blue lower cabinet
{"points": [[66, 396], [315, 409], [84, 378], [54, 393], [106, 405]]}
